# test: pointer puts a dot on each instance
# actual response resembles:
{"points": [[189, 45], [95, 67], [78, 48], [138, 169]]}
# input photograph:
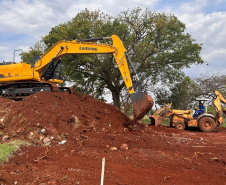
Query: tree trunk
{"points": [[116, 98]]}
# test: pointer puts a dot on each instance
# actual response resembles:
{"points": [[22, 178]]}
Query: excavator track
{"points": [[19, 90]]}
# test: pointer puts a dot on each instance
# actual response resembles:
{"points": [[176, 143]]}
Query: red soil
{"points": [[93, 130]]}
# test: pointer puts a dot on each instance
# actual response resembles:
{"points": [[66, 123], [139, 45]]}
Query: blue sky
{"points": [[215, 6], [208, 8], [24, 22]]}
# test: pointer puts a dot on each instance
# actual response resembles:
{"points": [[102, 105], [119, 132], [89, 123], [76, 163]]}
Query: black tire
{"points": [[206, 124], [179, 125]]}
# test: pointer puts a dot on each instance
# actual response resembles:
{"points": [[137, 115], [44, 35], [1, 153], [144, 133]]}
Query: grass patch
{"points": [[7, 149], [223, 125], [166, 122], [146, 120]]}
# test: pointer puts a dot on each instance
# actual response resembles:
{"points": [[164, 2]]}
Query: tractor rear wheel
{"points": [[206, 124]]}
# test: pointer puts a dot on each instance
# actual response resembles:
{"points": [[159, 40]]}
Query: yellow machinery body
{"points": [[182, 119]]}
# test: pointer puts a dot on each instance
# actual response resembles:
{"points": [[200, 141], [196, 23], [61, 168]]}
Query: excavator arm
{"points": [[217, 104]]}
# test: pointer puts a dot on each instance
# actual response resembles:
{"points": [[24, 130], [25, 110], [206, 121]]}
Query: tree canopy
{"points": [[157, 44]]}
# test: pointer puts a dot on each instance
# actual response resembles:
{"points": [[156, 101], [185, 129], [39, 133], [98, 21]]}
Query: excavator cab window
{"points": [[35, 59], [58, 73]]}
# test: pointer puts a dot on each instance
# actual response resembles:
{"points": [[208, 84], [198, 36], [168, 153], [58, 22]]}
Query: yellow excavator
{"points": [[20, 79], [182, 119]]}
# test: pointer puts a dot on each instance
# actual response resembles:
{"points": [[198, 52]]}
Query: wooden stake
{"points": [[102, 171]]}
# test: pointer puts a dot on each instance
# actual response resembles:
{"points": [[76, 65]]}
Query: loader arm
{"points": [[217, 104], [47, 63], [166, 111], [161, 114]]}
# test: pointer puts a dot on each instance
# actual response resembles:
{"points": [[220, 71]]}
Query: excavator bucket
{"points": [[142, 103]]}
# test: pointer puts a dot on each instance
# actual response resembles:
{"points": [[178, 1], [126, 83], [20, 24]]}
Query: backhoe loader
{"points": [[20, 79], [182, 119]]}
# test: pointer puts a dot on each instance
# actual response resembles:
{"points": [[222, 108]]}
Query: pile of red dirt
{"points": [[60, 113], [69, 134]]}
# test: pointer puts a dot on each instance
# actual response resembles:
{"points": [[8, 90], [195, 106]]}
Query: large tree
{"points": [[156, 42]]}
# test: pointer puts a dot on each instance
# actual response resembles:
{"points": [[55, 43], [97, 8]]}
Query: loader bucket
{"points": [[156, 120], [142, 103]]}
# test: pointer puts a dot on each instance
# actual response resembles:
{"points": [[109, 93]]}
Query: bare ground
{"points": [[70, 134]]}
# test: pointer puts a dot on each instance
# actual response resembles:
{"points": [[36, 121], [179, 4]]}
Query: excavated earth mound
{"points": [[70, 134], [60, 113]]}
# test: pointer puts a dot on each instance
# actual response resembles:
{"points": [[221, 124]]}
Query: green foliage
{"points": [[90, 73], [158, 45], [166, 122], [180, 94], [224, 124], [146, 120], [37, 50]]}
